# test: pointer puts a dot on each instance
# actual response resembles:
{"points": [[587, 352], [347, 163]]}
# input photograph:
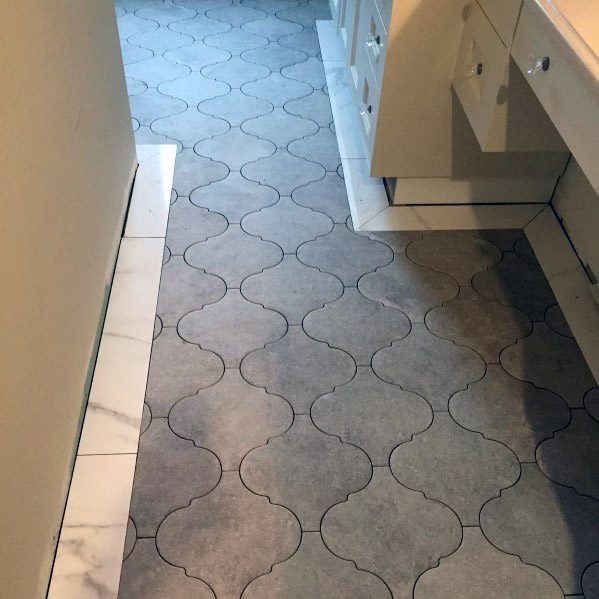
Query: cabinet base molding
{"points": [[488, 190]]}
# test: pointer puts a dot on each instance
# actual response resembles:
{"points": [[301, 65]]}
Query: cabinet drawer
{"points": [[371, 38], [368, 98], [348, 25], [503, 15], [568, 88], [480, 72]]}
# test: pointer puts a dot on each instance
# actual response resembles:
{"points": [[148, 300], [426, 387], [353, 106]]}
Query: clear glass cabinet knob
{"points": [[373, 40], [365, 109], [473, 69], [539, 64]]}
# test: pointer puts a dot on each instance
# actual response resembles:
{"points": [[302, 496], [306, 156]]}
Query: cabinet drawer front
{"points": [[368, 98], [503, 15], [568, 89], [371, 38], [480, 72]]}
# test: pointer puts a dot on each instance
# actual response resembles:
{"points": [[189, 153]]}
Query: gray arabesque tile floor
{"points": [[328, 414]]}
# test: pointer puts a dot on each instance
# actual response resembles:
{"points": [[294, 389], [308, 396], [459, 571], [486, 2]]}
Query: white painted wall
{"points": [[67, 157], [577, 205]]}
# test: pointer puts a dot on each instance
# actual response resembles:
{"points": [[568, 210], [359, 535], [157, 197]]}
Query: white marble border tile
{"points": [[455, 217], [115, 404], [569, 283], [89, 554], [150, 201]]}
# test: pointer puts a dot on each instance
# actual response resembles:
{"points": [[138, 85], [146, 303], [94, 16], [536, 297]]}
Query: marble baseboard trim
{"points": [[88, 558], [453, 217], [116, 397], [150, 201], [569, 283], [368, 200]]}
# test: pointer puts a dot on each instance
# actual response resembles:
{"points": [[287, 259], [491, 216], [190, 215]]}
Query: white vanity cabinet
{"points": [[556, 46], [477, 143]]}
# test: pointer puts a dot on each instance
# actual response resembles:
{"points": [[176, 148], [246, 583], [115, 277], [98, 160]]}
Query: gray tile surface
{"points": [[231, 418], [298, 368], [234, 197], [166, 14], [234, 255], [236, 527], [283, 171], [292, 289], [280, 127], [277, 89], [555, 318], [232, 327], [309, 71], [374, 528], [432, 367], [306, 458], [591, 403], [320, 147], [571, 456], [178, 369], [409, 287], [287, 224], [170, 472], [590, 581], [336, 579], [547, 525], [151, 105], [326, 195], [194, 88], [459, 254], [235, 41], [516, 413], [550, 361], [477, 569], [344, 254], [273, 56], [357, 325], [236, 72], [194, 171], [236, 14], [156, 70], [145, 574], [199, 25], [160, 40], [485, 326], [189, 224], [316, 107], [234, 148], [272, 28], [460, 468], [235, 107], [372, 414], [234, 79], [197, 55], [185, 288], [516, 283], [190, 126]]}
